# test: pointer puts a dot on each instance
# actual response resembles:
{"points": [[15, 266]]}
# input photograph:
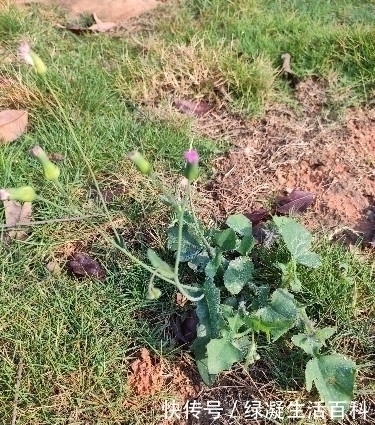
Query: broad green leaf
{"points": [[199, 262], [190, 247], [333, 376], [245, 245], [260, 297], [208, 311], [309, 343], [226, 240], [222, 354], [298, 240], [240, 224], [234, 319], [161, 266], [238, 274], [325, 333], [200, 355], [278, 317]]}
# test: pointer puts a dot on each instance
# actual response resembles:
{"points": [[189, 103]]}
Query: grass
{"points": [[78, 337]]}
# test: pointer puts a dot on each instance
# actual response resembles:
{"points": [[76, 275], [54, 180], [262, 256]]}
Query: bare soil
{"points": [[310, 150], [115, 10]]}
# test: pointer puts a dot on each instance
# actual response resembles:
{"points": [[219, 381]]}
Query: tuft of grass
{"points": [[323, 38], [198, 70]]}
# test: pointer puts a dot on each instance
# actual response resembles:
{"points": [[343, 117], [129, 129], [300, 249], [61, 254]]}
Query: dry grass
{"points": [[195, 71]]}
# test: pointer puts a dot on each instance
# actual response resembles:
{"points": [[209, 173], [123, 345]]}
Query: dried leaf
{"points": [[13, 124], [16, 213], [56, 157], [53, 267], [257, 216], [197, 108], [101, 26], [82, 265], [296, 202]]}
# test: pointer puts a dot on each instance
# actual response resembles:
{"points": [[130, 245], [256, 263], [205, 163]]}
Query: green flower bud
{"points": [[51, 170], [153, 293], [22, 194], [191, 171], [140, 162], [39, 65], [33, 59]]}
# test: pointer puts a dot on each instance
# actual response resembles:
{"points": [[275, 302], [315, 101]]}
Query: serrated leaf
{"points": [[238, 274], [325, 333], [298, 240], [161, 266], [222, 354], [278, 317], [333, 376], [226, 240], [208, 311], [240, 224], [233, 318]]}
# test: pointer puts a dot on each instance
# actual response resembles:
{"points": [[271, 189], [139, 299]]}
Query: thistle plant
{"points": [[233, 308]]}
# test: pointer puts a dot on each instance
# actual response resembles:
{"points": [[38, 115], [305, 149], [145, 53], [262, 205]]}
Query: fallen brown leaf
{"points": [[13, 124], [57, 157], [16, 213], [197, 108], [296, 202], [82, 265]]}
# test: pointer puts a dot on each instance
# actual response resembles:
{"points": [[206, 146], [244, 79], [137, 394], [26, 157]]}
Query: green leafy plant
{"points": [[236, 308]]}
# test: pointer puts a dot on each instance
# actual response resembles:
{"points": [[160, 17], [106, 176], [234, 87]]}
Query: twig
{"points": [[41, 222], [16, 391], [286, 63]]}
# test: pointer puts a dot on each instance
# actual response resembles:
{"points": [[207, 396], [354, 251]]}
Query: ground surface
{"points": [[84, 342], [305, 150]]}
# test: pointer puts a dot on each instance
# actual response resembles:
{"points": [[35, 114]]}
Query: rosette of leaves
{"points": [[236, 308]]}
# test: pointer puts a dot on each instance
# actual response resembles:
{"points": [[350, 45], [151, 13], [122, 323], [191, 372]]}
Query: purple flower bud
{"points": [[191, 168], [191, 156]]}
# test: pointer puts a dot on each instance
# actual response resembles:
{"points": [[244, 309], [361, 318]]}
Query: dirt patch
{"points": [[117, 10], [150, 376], [303, 150]]}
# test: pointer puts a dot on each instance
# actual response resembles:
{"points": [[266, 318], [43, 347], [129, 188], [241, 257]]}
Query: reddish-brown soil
{"points": [[306, 150]]}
